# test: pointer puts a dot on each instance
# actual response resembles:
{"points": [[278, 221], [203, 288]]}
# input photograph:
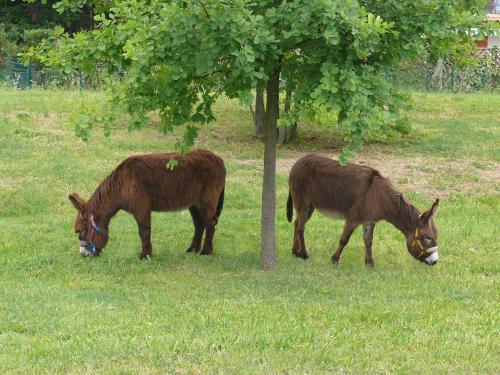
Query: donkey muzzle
{"points": [[85, 250], [433, 257]]}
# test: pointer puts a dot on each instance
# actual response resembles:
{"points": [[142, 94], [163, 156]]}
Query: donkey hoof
{"points": [[302, 255], [369, 263], [335, 259], [206, 253], [145, 256], [190, 249]]}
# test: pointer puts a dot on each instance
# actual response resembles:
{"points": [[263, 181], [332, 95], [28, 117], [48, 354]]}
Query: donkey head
{"points": [[92, 237], [422, 243]]}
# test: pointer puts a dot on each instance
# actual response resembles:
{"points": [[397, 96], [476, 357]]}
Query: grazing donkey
{"points": [[141, 184], [361, 196]]}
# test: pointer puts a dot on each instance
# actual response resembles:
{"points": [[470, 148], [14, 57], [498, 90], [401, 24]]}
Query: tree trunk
{"points": [[437, 75], [292, 129], [34, 11], [268, 250], [88, 17], [292, 132], [259, 116], [289, 132], [282, 130]]}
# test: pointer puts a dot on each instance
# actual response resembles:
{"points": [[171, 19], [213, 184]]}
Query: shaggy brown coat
{"points": [[142, 183], [361, 196]]}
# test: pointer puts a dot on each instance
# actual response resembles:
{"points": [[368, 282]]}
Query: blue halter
{"points": [[97, 229]]}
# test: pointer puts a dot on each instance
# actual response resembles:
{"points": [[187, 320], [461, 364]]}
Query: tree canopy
{"points": [[176, 57], [26, 23]]}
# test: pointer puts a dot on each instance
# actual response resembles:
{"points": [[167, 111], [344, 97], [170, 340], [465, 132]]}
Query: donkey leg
{"points": [[302, 217], [344, 239], [368, 237], [209, 220], [296, 242], [199, 228], [208, 247], [144, 224]]}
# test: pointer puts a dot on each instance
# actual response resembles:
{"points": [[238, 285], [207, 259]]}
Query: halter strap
{"points": [[416, 241], [95, 228]]}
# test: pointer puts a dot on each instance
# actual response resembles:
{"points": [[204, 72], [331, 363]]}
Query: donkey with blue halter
{"points": [[142, 184]]}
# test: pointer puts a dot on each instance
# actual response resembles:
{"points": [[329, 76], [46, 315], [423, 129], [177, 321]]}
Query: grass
{"points": [[181, 313]]}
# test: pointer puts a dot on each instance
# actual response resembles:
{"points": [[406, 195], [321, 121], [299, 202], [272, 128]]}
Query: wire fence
{"points": [[16, 74], [481, 76]]}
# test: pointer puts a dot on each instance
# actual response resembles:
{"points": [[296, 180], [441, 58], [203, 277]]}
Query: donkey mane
{"points": [[409, 213], [107, 188], [401, 212]]}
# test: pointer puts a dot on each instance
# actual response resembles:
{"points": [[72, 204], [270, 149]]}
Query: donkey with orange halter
{"points": [[361, 196]]}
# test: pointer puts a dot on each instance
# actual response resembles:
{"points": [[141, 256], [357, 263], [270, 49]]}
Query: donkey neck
{"points": [[105, 212], [402, 214], [104, 203]]}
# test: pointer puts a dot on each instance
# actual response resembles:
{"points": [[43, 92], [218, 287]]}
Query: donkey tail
{"points": [[289, 208], [220, 204]]}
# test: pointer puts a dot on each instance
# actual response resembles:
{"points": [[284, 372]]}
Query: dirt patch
{"points": [[435, 177], [38, 125], [447, 113], [491, 174], [6, 182], [438, 177]]}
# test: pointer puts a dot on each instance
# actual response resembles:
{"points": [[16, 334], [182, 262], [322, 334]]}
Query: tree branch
{"points": [[208, 75], [204, 9]]}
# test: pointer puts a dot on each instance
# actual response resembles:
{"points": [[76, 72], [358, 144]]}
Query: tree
{"points": [[178, 56], [259, 113]]}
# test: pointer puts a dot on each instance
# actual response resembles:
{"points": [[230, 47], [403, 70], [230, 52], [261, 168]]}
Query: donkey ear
{"points": [[77, 202], [427, 215], [434, 207]]}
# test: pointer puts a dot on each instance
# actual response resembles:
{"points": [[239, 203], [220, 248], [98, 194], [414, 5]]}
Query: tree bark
{"points": [[89, 17], [282, 130], [259, 116], [289, 132], [437, 75], [34, 11], [292, 131], [268, 249]]}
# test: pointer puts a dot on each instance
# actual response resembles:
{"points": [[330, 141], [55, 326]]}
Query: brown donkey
{"points": [[361, 196], [141, 184]]}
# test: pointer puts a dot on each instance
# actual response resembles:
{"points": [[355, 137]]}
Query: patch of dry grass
{"points": [[434, 177]]}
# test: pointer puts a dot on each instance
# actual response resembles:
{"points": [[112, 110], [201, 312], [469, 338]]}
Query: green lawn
{"points": [[186, 314]]}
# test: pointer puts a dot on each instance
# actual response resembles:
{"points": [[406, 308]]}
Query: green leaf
{"points": [[172, 163]]}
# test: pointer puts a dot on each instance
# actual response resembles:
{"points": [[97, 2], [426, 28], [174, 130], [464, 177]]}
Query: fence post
{"points": [[80, 75], [452, 77], [29, 76], [427, 79]]}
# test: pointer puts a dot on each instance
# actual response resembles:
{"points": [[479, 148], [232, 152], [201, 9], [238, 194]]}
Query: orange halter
{"points": [[416, 241]]}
